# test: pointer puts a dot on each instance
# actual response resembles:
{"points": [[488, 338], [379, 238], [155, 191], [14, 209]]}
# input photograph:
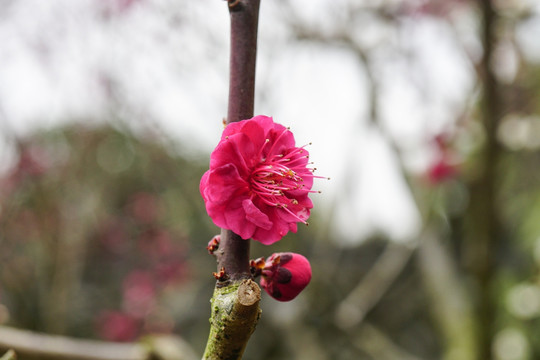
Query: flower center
{"points": [[276, 177]]}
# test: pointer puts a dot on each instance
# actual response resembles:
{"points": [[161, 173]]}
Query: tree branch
{"points": [[233, 254], [45, 346], [61, 347], [484, 227], [244, 23], [449, 301], [367, 293], [235, 303]]}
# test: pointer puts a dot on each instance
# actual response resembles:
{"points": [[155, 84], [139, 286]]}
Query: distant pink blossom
{"points": [[441, 170], [155, 242], [258, 182], [139, 294], [285, 275], [436, 8], [117, 326], [113, 234], [33, 162], [445, 165], [171, 271], [144, 207]]}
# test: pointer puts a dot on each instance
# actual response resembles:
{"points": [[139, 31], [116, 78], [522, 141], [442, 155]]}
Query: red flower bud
{"points": [[213, 244], [285, 275]]}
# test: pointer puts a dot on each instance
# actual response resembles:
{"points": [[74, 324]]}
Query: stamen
{"points": [[296, 216], [276, 140], [280, 174], [262, 149]]}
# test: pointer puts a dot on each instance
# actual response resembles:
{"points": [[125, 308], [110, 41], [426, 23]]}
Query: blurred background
{"points": [[425, 243]]}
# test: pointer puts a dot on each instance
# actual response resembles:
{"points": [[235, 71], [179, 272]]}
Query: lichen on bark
{"points": [[235, 313]]}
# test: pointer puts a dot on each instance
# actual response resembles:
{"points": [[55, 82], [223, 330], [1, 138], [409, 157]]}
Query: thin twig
{"points": [[353, 309], [450, 303], [29, 343], [374, 342], [61, 347]]}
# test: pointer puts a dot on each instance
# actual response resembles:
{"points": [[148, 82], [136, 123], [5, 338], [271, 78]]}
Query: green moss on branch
{"points": [[235, 313]]}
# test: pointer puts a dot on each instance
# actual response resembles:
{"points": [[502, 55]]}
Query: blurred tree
{"points": [[481, 252], [97, 233]]}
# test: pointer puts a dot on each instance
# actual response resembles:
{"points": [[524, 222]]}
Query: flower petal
{"points": [[267, 237], [256, 216], [238, 150], [235, 216], [281, 139], [223, 183], [203, 184]]}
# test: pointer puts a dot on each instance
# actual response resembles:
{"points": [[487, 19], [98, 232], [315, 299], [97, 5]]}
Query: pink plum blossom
{"points": [[284, 275], [445, 165], [139, 294], [144, 207], [442, 169], [259, 181], [117, 326]]}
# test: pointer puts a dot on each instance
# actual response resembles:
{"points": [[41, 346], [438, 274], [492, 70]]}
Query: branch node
{"points": [[233, 3]]}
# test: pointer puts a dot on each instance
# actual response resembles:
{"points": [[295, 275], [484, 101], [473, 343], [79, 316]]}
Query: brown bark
{"points": [[233, 255], [235, 303], [484, 225]]}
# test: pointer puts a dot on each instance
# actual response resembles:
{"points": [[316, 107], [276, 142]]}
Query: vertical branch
{"points": [[244, 20], [235, 303], [233, 254], [484, 226]]}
